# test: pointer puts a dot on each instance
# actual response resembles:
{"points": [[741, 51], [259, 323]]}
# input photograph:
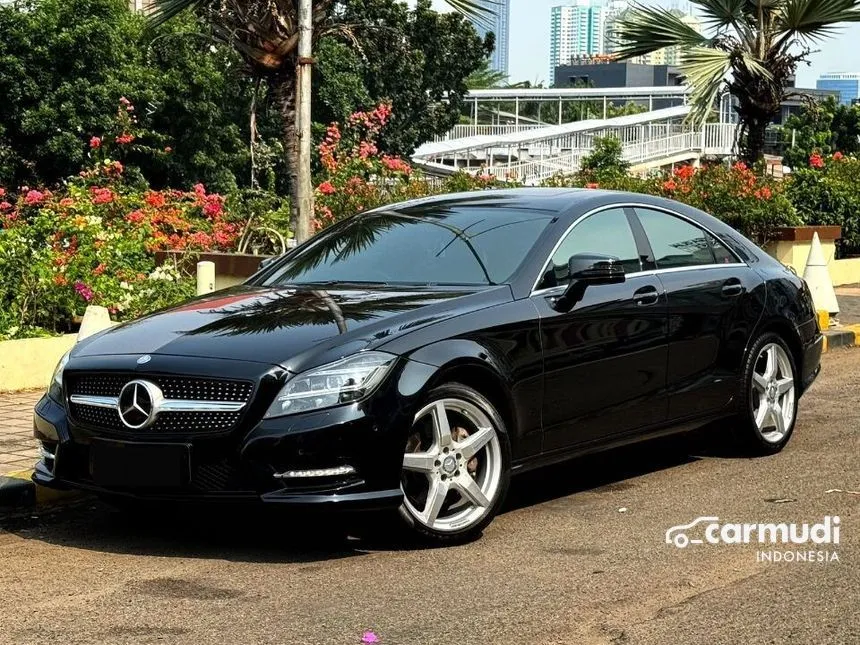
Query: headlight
{"points": [[55, 387], [344, 381]]}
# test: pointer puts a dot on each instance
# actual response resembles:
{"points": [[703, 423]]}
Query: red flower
{"points": [[327, 188], [685, 172], [95, 142], [135, 217], [102, 195], [33, 197], [156, 200], [740, 165], [168, 149], [816, 161], [99, 269], [2, 192], [763, 193], [669, 184], [592, 185], [213, 207], [837, 156], [60, 280], [4, 206], [125, 138]]}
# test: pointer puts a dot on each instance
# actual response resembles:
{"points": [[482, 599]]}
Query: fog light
{"points": [[319, 472]]}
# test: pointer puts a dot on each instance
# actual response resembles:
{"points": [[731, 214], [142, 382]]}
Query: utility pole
{"points": [[305, 206]]}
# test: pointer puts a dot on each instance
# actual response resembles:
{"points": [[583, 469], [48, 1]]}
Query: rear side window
{"points": [[606, 232], [721, 254], [676, 242]]}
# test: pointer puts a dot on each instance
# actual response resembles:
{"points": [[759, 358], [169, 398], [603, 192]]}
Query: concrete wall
{"points": [[794, 253], [27, 364]]}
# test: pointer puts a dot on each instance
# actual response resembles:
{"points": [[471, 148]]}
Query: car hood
{"points": [[288, 326]]}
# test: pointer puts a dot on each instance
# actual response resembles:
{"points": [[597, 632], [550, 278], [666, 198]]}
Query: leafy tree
{"points": [[266, 34], [65, 64], [823, 127], [417, 59], [752, 49], [605, 161]]}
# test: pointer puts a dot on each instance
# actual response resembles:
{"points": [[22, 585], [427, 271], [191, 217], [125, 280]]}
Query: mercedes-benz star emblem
{"points": [[138, 404], [143, 360]]}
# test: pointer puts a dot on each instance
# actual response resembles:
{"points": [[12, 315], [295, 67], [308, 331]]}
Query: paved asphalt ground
{"points": [[562, 564]]}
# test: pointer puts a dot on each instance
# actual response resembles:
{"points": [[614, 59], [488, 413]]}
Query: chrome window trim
{"points": [[167, 405], [536, 291]]}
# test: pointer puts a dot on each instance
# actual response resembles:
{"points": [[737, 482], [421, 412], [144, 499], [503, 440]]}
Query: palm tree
{"points": [[752, 49], [266, 34]]}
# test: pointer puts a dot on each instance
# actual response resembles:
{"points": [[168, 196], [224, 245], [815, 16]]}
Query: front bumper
{"points": [[240, 467]]}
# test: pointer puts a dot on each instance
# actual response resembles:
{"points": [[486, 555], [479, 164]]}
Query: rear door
{"points": [[605, 359], [710, 309]]}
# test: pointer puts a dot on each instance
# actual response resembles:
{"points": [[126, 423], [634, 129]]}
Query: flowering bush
{"points": [[356, 177], [750, 201], [94, 242], [827, 193]]}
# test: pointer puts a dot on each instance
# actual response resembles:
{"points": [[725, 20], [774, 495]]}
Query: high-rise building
{"points": [[846, 83], [665, 56], [500, 26], [576, 30]]}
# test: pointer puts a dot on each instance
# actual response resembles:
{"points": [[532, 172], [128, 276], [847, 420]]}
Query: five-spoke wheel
{"points": [[771, 395], [455, 468]]}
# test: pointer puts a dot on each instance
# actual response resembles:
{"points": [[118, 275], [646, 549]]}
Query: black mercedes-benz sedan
{"points": [[414, 357]]}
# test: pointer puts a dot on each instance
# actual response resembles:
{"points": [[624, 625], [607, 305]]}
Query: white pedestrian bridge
{"points": [[530, 152]]}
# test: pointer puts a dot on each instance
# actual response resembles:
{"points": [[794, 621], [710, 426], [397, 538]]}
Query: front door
{"points": [[605, 359]]}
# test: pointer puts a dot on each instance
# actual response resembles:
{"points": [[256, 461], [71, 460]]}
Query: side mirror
{"points": [[267, 262], [586, 269]]}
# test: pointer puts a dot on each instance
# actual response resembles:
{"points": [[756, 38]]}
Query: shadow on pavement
{"points": [[274, 535]]}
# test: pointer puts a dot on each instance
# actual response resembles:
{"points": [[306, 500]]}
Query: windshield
{"points": [[462, 245]]}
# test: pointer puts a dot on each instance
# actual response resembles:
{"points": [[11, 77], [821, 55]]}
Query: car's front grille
{"points": [[173, 388]]}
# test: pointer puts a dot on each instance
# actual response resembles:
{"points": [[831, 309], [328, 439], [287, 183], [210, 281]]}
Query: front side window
{"points": [[605, 232], [675, 242], [450, 245]]}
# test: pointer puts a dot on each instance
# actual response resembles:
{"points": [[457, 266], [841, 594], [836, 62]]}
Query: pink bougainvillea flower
{"points": [[592, 185], [2, 192], [124, 101], [369, 637], [84, 291], [125, 138], [740, 165], [95, 142], [837, 156], [5, 206], [102, 195], [669, 184], [168, 149], [34, 197]]}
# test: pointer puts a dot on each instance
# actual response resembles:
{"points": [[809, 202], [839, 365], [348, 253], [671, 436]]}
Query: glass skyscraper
{"points": [[501, 27], [846, 83]]}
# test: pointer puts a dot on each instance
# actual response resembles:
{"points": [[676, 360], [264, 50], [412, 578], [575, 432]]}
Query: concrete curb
{"points": [[18, 491], [845, 336]]}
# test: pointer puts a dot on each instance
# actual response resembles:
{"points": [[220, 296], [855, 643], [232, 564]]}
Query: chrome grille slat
{"points": [[191, 405]]}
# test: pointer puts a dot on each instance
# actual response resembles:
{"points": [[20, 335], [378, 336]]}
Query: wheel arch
{"points": [[785, 330]]}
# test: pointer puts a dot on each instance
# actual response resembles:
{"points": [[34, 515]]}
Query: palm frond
{"points": [[705, 70], [479, 11], [815, 19], [721, 13], [164, 10], [643, 30]]}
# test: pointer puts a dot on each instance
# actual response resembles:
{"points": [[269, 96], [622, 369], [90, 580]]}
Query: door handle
{"points": [[646, 296], [732, 288]]}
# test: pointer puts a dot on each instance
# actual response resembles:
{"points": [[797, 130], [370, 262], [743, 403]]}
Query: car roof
{"points": [[544, 199]]}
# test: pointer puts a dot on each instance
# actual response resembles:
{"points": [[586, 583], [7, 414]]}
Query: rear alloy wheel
{"points": [[771, 399], [456, 465]]}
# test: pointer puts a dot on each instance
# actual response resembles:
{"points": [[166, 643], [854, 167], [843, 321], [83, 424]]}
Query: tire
{"points": [[469, 471], [766, 431]]}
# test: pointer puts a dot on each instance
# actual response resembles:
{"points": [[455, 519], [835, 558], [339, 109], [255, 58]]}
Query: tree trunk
{"points": [[753, 144], [284, 89]]}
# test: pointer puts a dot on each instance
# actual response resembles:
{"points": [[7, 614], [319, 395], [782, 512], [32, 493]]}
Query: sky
{"points": [[529, 52]]}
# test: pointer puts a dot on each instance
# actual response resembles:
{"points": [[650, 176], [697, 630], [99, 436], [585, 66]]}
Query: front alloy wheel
{"points": [[455, 468]]}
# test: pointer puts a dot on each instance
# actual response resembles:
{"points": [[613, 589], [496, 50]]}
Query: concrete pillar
{"points": [[205, 277]]}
